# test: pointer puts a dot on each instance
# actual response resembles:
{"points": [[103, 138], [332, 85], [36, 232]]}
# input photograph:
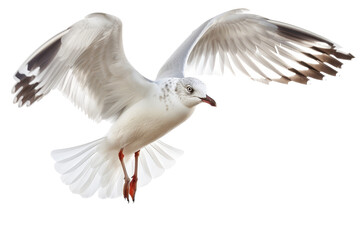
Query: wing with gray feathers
{"points": [[87, 63], [260, 48]]}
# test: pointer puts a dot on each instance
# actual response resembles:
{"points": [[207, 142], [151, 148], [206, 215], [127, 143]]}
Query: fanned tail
{"points": [[88, 168]]}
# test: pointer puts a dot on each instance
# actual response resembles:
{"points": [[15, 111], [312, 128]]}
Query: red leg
{"points": [[134, 179], [126, 177]]}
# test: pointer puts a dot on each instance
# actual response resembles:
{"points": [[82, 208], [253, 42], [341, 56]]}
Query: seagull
{"points": [[87, 63]]}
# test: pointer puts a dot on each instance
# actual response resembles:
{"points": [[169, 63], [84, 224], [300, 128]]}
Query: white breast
{"points": [[146, 121]]}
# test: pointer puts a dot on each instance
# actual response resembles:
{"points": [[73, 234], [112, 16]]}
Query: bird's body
{"points": [[87, 63], [149, 119]]}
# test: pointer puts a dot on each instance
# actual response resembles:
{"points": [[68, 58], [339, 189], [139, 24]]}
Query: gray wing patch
{"points": [[43, 58]]}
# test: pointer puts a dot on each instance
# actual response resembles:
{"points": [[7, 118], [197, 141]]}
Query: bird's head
{"points": [[192, 91]]}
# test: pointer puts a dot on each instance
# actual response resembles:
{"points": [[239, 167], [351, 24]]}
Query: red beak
{"points": [[209, 100]]}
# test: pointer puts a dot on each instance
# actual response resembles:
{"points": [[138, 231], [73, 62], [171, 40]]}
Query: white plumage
{"points": [[88, 64], [87, 168]]}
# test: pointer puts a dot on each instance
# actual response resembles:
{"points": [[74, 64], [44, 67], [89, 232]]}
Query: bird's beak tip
{"points": [[209, 100]]}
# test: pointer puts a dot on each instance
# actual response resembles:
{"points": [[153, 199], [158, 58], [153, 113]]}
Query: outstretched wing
{"points": [[260, 48], [87, 63]]}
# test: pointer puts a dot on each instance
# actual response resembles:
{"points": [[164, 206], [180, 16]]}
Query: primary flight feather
{"points": [[88, 64]]}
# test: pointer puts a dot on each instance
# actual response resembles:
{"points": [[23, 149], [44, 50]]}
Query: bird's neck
{"points": [[167, 88]]}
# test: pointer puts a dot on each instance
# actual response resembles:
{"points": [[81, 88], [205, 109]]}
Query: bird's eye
{"points": [[189, 89]]}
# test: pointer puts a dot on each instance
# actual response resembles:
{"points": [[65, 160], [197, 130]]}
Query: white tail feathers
{"points": [[88, 168]]}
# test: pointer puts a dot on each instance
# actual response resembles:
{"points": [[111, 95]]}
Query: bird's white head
{"points": [[192, 91]]}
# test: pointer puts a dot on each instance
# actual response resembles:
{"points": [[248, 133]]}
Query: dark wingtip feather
{"points": [[345, 56], [333, 51], [319, 67], [324, 58], [19, 76], [298, 77], [25, 90]]}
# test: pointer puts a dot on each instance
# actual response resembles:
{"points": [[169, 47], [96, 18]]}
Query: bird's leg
{"points": [[134, 179], [126, 177]]}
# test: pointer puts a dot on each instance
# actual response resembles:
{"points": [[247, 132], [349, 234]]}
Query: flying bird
{"points": [[87, 63]]}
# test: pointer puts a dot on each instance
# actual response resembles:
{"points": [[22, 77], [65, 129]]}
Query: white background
{"points": [[270, 162]]}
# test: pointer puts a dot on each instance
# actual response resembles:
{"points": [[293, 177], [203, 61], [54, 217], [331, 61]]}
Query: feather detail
{"points": [[86, 62], [263, 49], [88, 169]]}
